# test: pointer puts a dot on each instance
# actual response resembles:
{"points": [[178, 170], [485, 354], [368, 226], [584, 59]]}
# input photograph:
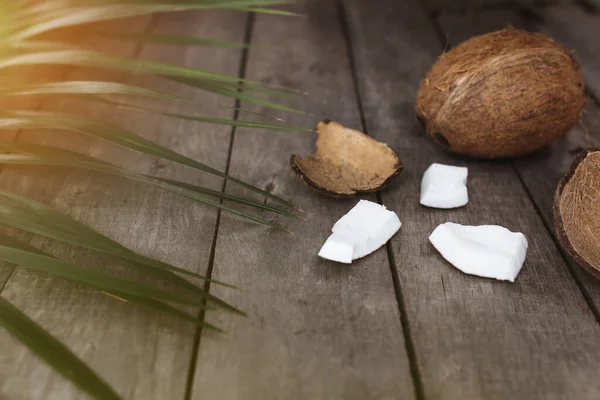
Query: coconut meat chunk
{"points": [[489, 251], [444, 186], [337, 248], [364, 229]]}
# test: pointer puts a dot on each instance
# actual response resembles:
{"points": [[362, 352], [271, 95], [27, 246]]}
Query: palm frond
{"points": [[96, 279], [52, 351], [31, 216], [95, 90], [28, 154], [31, 154], [272, 90], [116, 135], [6, 240], [145, 38], [271, 11], [83, 88], [30, 36], [219, 121], [217, 83], [105, 100], [152, 302], [73, 13], [90, 58]]}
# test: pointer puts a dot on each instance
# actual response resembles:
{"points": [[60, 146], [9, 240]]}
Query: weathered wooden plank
{"points": [[571, 25], [462, 5], [577, 29], [39, 74], [144, 355], [541, 171], [541, 174], [317, 330], [24, 75], [473, 337], [453, 25]]}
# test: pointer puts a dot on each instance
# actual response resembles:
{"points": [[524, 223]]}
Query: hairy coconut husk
{"points": [[346, 162], [577, 211], [502, 94]]}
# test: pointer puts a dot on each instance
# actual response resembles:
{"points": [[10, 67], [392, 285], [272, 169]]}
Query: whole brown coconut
{"points": [[502, 94], [577, 211]]}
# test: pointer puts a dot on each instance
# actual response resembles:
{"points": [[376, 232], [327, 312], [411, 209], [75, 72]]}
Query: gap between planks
{"points": [[250, 19], [310, 321], [463, 7], [408, 342], [534, 21], [584, 291], [181, 386], [451, 346]]}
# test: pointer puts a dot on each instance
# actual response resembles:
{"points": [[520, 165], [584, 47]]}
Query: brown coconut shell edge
{"points": [[563, 238], [316, 187], [398, 167]]}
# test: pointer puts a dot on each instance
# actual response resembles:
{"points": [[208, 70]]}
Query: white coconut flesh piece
{"points": [[337, 248], [444, 186], [489, 251], [364, 229]]}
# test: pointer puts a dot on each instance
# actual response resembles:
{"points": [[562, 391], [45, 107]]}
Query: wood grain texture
{"points": [[474, 338], [142, 354], [316, 329], [571, 25], [28, 75], [460, 27], [579, 30], [541, 171], [460, 6]]}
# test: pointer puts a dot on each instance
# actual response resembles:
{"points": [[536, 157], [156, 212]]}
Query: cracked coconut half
{"points": [[347, 162], [577, 211]]}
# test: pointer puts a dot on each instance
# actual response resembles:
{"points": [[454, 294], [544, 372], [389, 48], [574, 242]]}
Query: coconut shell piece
{"points": [[502, 94], [577, 211], [346, 162]]}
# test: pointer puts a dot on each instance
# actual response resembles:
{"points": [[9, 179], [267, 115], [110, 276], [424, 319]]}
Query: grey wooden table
{"points": [[399, 324]]}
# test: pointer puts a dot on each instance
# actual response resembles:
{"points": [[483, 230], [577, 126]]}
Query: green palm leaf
{"points": [[171, 40], [65, 14], [114, 134], [219, 121], [150, 302], [53, 352], [30, 154], [211, 82], [89, 58], [270, 11], [84, 88], [9, 241], [229, 89], [29, 215], [210, 120], [96, 279], [102, 99], [29, 222], [34, 217], [93, 90], [27, 39], [160, 306]]}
